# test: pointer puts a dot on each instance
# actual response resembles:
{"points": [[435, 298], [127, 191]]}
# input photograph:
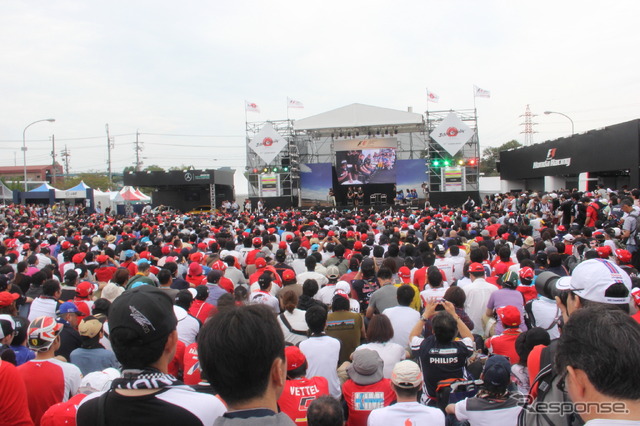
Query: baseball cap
{"points": [[568, 237], [65, 245], [78, 257], [623, 255], [102, 258], [591, 279], [98, 381], [84, 289], [366, 368], [288, 275], [261, 262], [604, 252], [42, 332], [129, 254], [195, 269], [295, 357], [7, 298], [404, 273], [509, 316], [145, 311], [527, 273], [476, 267], [509, 279], [635, 293], [406, 374], [343, 287], [90, 327], [333, 272], [257, 241], [497, 371], [68, 308]]}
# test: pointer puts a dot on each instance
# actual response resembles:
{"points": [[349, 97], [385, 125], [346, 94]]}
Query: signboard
{"points": [[452, 134], [269, 185], [453, 179], [267, 143]]}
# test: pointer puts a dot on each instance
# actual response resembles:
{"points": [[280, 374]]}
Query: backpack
{"points": [[547, 381], [599, 208], [530, 319]]}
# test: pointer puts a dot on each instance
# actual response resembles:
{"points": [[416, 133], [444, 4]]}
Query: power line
{"points": [[193, 136]]}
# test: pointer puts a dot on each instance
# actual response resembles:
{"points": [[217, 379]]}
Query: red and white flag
{"points": [[250, 106], [292, 103], [432, 97], [481, 93]]}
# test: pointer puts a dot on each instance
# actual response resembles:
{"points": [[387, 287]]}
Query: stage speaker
{"points": [[498, 166]]}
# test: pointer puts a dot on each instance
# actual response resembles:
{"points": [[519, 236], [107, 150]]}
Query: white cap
{"points": [[98, 381], [343, 286], [591, 279]]}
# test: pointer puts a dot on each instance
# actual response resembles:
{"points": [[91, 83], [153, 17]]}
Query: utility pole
{"points": [[65, 154], [53, 160], [109, 141], [138, 148]]}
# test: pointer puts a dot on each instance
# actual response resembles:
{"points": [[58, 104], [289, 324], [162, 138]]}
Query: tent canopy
{"points": [[126, 194], [5, 193], [141, 195], [45, 187], [78, 191]]}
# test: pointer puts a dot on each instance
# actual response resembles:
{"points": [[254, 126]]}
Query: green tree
{"points": [[92, 180], [492, 154], [180, 167]]}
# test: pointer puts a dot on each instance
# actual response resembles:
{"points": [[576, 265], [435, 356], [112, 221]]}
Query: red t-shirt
{"points": [[202, 310], [251, 257], [505, 344], [636, 316], [361, 400], [298, 394], [420, 278], [191, 365], [14, 409], [177, 363], [529, 292], [196, 280], [45, 386], [131, 266]]}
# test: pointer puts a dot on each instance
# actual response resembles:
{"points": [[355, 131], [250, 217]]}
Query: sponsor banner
{"points": [[453, 178], [269, 185], [551, 161], [267, 143], [452, 133], [360, 144]]}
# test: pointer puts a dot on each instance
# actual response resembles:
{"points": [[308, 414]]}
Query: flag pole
{"points": [[474, 98], [287, 110]]}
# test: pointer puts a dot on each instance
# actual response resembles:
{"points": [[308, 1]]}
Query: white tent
{"points": [[142, 196], [5, 193], [78, 191]]}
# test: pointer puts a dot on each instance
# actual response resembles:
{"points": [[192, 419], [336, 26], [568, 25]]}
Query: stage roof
{"points": [[358, 115]]}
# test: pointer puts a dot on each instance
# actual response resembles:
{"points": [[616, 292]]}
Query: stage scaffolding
{"points": [[470, 151]]}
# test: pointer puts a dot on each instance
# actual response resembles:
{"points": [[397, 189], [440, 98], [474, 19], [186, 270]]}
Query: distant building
{"points": [[38, 174]]}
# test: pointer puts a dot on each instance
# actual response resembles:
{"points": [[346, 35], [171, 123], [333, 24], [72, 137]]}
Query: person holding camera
{"points": [[440, 355]]}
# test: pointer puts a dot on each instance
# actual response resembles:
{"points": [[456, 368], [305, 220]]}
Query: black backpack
{"points": [[536, 414]]}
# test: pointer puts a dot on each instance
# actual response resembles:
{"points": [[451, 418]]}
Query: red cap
{"points": [[509, 316], [261, 262], [196, 257], [166, 249], [289, 237], [527, 273], [623, 255], [331, 233], [102, 258], [476, 267], [505, 236], [635, 293], [257, 241], [282, 245], [604, 252], [7, 298], [404, 273], [219, 265], [78, 257], [202, 246], [84, 289], [288, 275], [295, 357], [65, 245], [357, 245], [350, 234]]}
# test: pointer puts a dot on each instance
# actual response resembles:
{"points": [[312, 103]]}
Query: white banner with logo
{"points": [[267, 143], [452, 133]]}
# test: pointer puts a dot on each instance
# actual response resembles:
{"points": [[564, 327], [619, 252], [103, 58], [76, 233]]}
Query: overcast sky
{"points": [[168, 69]]}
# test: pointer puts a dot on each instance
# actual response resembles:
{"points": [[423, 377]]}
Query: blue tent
{"points": [[45, 187]]}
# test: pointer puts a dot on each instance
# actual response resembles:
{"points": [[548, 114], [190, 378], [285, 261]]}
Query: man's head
{"points": [[68, 311], [596, 281], [296, 362], [444, 326], [241, 350], [325, 411], [142, 327], [476, 270], [43, 334], [626, 204], [405, 295], [594, 362], [496, 374], [316, 318], [406, 379], [90, 329]]}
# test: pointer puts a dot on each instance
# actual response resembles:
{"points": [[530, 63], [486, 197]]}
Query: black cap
{"points": [[145, 310]]}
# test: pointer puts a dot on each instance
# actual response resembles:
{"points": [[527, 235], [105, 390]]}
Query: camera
{"points": [[546, 286]]}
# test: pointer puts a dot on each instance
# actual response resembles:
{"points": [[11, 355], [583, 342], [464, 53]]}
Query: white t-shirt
{"points": [[446, 265], [42, 307], [405, 413], [265, 299], [325, 294], [188, 327], [322, 355], [297, 322], [487, 414], [478, 293], [403, 319], [545, 312], [429, 293], [391, 354]]}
